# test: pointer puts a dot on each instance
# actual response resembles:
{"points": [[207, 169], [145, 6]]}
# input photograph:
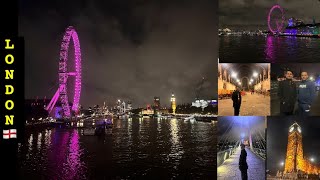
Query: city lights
{"points": [[234, 75]]}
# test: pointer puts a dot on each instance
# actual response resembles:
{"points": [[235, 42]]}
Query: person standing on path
{"points": [[306, 95], [236, 98], [243, 166], [287, 94]]}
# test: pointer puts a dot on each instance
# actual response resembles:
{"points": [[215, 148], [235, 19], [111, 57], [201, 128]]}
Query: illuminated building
{"points": [[297, 27], [156, 103], [295, 161], [173, 104]]}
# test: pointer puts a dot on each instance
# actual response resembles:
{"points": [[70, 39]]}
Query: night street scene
{"points": [[119, 89], [269, 31], [295, 89], [241, 147], [293, 148], [244, 89]]}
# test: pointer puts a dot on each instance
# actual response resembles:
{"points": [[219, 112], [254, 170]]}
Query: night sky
{"points": [[251, 14], [132, 50], [313, 69], [277, 139]]}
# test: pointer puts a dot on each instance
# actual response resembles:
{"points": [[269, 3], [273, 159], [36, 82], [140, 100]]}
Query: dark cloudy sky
{"points": [[277, 140], [312, 68], [253, 13], [133, 50]]}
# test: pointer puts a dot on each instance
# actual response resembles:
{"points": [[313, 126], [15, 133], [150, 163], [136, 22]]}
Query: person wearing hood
{"points": [[306, 94]]}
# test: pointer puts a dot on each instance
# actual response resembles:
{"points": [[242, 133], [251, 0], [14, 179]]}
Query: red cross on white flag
{"points": [[10, 133]]}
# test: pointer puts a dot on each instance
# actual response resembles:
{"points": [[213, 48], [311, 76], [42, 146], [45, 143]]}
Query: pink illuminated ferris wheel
{"points": [[276, 19], [64, 74]]}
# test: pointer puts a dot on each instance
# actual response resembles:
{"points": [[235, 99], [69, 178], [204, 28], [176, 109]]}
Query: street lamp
{"points": [[238, 80], [312, 159], [233, 74], [311, 78], [282, 163], [255, 74]]}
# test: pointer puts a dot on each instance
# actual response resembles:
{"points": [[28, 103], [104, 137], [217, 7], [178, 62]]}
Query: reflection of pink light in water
{"points": [[57, 151], [269, 51], [73, 160]]}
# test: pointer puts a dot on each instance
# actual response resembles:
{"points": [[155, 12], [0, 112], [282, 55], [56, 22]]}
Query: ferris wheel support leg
{"points": [[53, 101]]}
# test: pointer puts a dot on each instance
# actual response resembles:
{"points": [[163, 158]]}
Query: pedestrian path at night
{"points": [[229, 170], [251, 105]]}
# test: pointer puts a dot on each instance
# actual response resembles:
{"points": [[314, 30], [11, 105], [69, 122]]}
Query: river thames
{"points": [[271, 49], [133, 148]]}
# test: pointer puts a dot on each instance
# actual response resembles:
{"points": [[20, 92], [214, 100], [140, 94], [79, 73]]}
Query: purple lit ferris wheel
{"points": [[64, 74], [276, 19]]}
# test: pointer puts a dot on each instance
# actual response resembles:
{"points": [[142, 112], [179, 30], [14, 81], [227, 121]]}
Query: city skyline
{"points": [[252, 14], [134, 53]]}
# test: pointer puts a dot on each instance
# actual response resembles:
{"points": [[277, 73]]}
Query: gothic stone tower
{"points": [[173, 103], [294, 159]]}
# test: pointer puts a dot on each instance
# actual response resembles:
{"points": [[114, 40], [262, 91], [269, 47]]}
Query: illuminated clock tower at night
{"points": [[295, 160], [173, 104]]}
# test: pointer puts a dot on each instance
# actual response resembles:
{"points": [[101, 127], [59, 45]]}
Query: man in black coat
{"points": [[236, 98], [243, 166], [287, 93]]}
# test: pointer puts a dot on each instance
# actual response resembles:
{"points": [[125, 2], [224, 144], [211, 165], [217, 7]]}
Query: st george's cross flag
{"points": [[10, 133]]}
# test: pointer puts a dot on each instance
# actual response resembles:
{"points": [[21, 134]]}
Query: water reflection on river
{"points": [[162, 148], [268, 49]]}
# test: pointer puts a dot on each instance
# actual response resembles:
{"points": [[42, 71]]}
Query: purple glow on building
{"points": [[279, 24], [291, 31]]}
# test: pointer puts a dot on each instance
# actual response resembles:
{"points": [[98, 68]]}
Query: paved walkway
{"points": [[229, 170], [252, 105]]}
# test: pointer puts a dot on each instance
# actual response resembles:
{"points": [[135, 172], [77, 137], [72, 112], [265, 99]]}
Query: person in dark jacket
{"points": [[236, 98], [287, 94], [306, 95], [243, 166]]}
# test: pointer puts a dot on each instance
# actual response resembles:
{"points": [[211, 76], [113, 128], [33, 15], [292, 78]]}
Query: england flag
{"points": [[10, 133]]}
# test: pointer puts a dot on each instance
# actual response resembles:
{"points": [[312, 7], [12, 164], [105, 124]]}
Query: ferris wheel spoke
{"points": [[72, 73], [63, 74]]}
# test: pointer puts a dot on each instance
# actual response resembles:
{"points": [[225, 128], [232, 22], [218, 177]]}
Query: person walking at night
{"points": [[236, 98], [287, 94], [306, 95], [243, 166]]}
